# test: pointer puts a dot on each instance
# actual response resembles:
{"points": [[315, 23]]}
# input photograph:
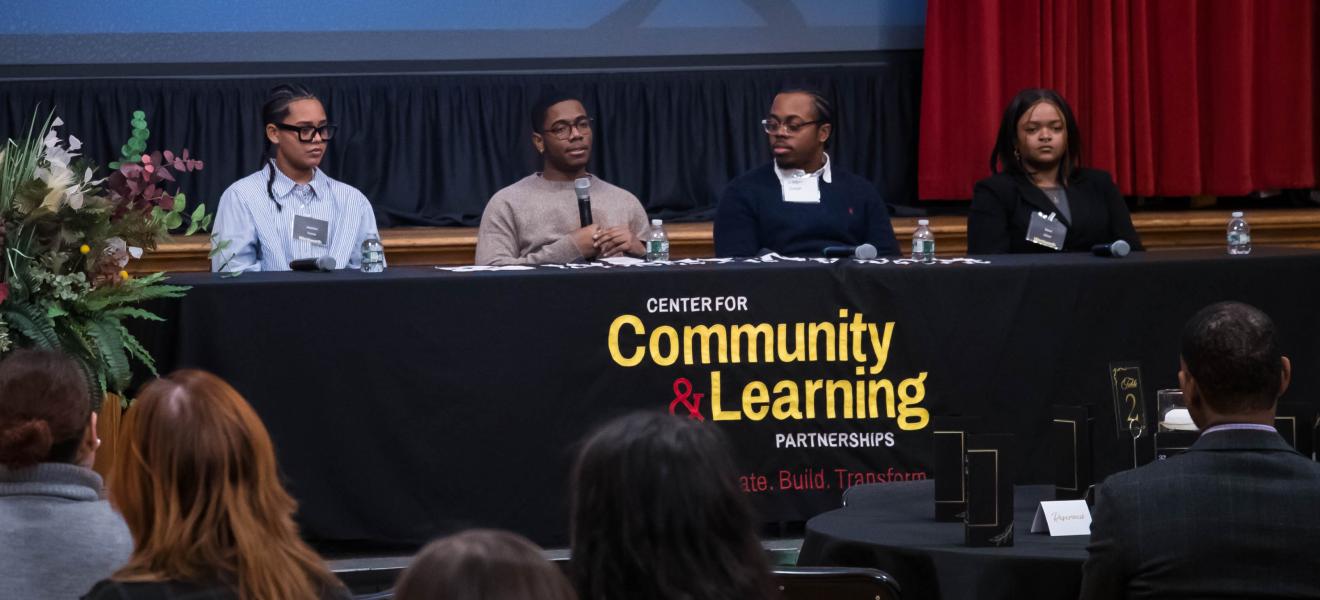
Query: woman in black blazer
{"points": [[1039, 150]]}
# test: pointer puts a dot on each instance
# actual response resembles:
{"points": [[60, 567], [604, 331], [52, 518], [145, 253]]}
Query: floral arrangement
{"points": [[66, 238]]}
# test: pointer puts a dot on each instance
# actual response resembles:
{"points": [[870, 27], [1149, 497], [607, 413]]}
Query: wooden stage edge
{"points": [[456, 245]]}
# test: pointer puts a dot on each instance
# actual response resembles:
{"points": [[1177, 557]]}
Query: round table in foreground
{"points": [[891, 526]]}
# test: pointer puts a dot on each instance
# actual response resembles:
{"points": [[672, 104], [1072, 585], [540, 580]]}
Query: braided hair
{"points": [[275, 110]]}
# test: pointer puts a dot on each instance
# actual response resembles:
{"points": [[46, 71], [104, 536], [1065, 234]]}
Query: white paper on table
{"points": [[478, 268], [623, 260], [1062, 517]]}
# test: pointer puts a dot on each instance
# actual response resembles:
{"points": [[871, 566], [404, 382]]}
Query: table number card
{"points": [[1073, 467], [1295, 422], [989, 520], [949, 447], [1062, 517]]}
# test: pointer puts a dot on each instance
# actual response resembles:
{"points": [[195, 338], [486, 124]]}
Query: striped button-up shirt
{"points": [[255, 233]]}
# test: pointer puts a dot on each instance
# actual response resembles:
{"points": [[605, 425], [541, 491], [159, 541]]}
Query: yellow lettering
{"points": [[872, 390], [799, 351], [706, 332], [816, 330], [755, 401], [881, 347], [911, 418], [753, 333], [717, 412], [813, 386], [831, 388], [636, 358], [787, 406], [664, 331]]}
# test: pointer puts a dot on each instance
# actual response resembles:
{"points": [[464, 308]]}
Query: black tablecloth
{"points": [[891, 526], [410, 403]]}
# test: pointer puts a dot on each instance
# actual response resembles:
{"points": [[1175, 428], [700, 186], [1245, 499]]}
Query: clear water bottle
{"points": [[1239, 234], [923, 242], [373, 255], [657, 242]]}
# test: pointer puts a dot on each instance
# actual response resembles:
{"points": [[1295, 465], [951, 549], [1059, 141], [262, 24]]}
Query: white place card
{"points": [[1062, 517]]}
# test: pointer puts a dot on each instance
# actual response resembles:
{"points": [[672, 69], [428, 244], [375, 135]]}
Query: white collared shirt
{"points": [[258, 231], [797, 185]]}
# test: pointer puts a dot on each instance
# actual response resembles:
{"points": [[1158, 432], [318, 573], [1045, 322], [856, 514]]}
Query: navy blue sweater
{"points": [[753, 216]]}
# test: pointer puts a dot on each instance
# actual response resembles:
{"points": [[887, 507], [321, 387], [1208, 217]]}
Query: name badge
{"points": [[310, 229], [1046, 230], [803, 190], [1062, 517]]}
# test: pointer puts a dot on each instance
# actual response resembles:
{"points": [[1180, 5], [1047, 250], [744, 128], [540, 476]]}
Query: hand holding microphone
{"points": [[582, 187]]}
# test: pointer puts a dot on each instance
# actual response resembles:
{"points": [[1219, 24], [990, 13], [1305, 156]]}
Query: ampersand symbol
{"points": [[682, 391]]}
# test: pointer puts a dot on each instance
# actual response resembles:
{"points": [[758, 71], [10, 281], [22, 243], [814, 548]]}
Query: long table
{"points": [[410, 403]]}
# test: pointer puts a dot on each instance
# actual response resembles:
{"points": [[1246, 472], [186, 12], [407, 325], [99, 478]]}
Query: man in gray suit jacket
{"points": [[1238, 514]]}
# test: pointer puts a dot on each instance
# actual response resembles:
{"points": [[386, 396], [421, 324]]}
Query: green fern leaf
{"points": [[110, 350], [136, 350]]}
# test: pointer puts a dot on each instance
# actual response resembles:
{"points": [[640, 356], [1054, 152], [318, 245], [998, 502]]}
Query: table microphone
{"points": [[862, 252], [1116, 249], [320, 263], [582, 186]]}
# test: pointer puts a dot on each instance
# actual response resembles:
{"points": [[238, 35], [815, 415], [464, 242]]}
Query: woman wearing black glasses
{"points": [[290, 209]]}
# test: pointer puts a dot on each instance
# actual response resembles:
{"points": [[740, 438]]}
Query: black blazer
{"points": [[1002, 205], [1236, 516]]}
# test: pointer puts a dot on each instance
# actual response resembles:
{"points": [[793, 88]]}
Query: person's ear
{"points": [[538, 141], [272, 134], [824, 132], [1285, 375], [91, 441], [1191, 392]]}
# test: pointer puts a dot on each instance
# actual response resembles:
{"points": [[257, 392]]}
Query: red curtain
{"points": [[1173, 97]]}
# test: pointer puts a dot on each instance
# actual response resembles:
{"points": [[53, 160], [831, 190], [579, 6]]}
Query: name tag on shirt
{"points": [[1046, 231], [803, 190], [310, 229]]}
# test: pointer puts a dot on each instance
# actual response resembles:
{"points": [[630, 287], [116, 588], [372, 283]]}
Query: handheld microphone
{"points": [[862, 252], [582, 186], [320, 263], [1116, 249]]}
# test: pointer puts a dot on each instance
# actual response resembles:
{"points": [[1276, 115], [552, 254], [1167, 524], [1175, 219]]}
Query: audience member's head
{"points": [[1232, 370], [1038, 131], [561, 134], [45, 411], [798, 126], [197, 484], [657, 513], [482, 564]]}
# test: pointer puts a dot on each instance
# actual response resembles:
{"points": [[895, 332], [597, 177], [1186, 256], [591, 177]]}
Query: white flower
{"points": [[60, 181]]}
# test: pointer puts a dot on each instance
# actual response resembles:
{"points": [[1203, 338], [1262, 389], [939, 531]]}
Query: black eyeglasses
{"points": [[773, 125], [306, 132], [563, 129]]}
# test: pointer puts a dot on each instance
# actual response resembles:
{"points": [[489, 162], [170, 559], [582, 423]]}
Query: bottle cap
{"points": [[656, 222], [923, 222], [1237, 214]]}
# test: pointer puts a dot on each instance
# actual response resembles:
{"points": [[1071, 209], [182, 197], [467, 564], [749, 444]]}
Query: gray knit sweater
{"points": [[528, 222], [58, 536]]}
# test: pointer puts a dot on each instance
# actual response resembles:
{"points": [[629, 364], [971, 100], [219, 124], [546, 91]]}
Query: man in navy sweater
{"points": [[799, 203]]}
